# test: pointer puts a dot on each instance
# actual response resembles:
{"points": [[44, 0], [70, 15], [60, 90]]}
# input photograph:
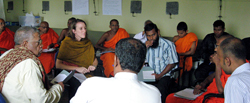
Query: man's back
{"points": [[123, 88], [237, 88]]}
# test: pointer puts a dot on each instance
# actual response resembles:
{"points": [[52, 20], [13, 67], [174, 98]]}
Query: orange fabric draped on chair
{"points": [[7, 39]]}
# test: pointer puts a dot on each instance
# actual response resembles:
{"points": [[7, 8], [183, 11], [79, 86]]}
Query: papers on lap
{"points": [[146, 75], [64, 76], [187, 94]]}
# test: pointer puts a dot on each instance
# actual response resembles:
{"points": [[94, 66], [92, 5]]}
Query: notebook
{"points": [[145, 75], [187, 94]]}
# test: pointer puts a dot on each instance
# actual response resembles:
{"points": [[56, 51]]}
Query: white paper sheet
{"points": [[112, 7], [80, 7], [2, 14], [59, 78], [187, 94], [80, 77], [148, 74]]}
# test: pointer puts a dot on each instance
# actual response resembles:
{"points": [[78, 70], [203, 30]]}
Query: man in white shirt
{"points": [[142, 36], [22, 77], [124, 87], [232, 56]]}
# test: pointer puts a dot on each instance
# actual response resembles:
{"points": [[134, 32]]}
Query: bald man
{"points": [[6, 37], [215, 83], [49, 38], [232, 56]]}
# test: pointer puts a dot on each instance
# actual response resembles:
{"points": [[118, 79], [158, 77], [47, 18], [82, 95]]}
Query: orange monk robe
{"points": [[7, 39], [47, 59], [212, 88], [183, 45], [108, 58]]}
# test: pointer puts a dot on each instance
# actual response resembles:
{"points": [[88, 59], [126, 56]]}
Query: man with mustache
{"points": [[161, 57]]}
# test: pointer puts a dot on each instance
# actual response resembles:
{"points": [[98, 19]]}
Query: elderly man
{"points": [[107, 43], [6, 37], [232, 56], [124, 87], [23, 79], [49, 38]]}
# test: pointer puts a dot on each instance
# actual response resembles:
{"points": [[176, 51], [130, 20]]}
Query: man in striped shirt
{"points": [[162, 57]]}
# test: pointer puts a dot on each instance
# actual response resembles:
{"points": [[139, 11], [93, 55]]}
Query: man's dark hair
{"points": [[218, 23], [72, 19], [233, 46], [182, 26], [150, 27], [113, 20], [131, 53]]}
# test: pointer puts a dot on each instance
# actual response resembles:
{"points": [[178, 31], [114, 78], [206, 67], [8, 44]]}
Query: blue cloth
{"points": [[2, 99]]}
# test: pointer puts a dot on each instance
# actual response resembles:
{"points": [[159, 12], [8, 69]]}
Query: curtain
{"points": [[2, 14]]}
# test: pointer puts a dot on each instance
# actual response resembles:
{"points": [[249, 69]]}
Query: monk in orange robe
{"points": [[216, 82], [6, 37], [186, 44], [49, 40], [108, 42]]}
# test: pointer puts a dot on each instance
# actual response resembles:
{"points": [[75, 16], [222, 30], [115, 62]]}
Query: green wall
{"points": [[198, 14]]}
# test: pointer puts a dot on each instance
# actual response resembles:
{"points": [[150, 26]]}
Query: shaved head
{"points": [[44, 27]]}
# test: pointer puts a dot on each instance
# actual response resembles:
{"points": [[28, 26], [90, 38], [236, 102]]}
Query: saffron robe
{"points": [[212, 88], [183, 45], [47, 59], [7, 39], [108, 58]]}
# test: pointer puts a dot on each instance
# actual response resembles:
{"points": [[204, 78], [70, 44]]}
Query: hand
{"points": [[91, 68], [197, 89], [61, 83], [51, 46], [149, 43], [82, 70], [157, 76], [215, 59]]}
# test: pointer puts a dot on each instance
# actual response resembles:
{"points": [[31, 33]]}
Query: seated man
{"points": [[142, 36], [162, 58], [186, 44], [216, 82], [107, 43], [23, 79], [207, 49], [232, 56], [6, 37], [49, 38], [65, 31], [124, 87]]}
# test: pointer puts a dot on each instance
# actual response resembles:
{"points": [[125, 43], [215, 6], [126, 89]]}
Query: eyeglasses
{"points": [[44, 27], [39, 41], [216, 46]]}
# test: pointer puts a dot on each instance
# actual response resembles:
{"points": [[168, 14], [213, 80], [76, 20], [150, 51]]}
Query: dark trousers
{"points": [[73, 86], [165, 85]]}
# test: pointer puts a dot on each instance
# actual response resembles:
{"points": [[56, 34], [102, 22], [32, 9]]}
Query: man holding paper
{"points": [[124, 87], [22, 77], [162, 58]]}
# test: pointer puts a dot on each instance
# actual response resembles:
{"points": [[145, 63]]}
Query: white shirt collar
{"points": [[241, 68], [126, 75]]}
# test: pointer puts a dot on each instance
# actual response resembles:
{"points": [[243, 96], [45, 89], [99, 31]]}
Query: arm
{"points": [[166, 70], [191, 51], [101, 41], [59, 64], [62, 35], [93, 67], [217, 73], [198, 88], [3, 49], [176, 38], [34, 87]]}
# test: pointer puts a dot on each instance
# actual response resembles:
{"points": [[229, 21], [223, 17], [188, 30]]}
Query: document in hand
{"points": [[63, 76], [107, 52], [146, 75], [187, 94]]}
